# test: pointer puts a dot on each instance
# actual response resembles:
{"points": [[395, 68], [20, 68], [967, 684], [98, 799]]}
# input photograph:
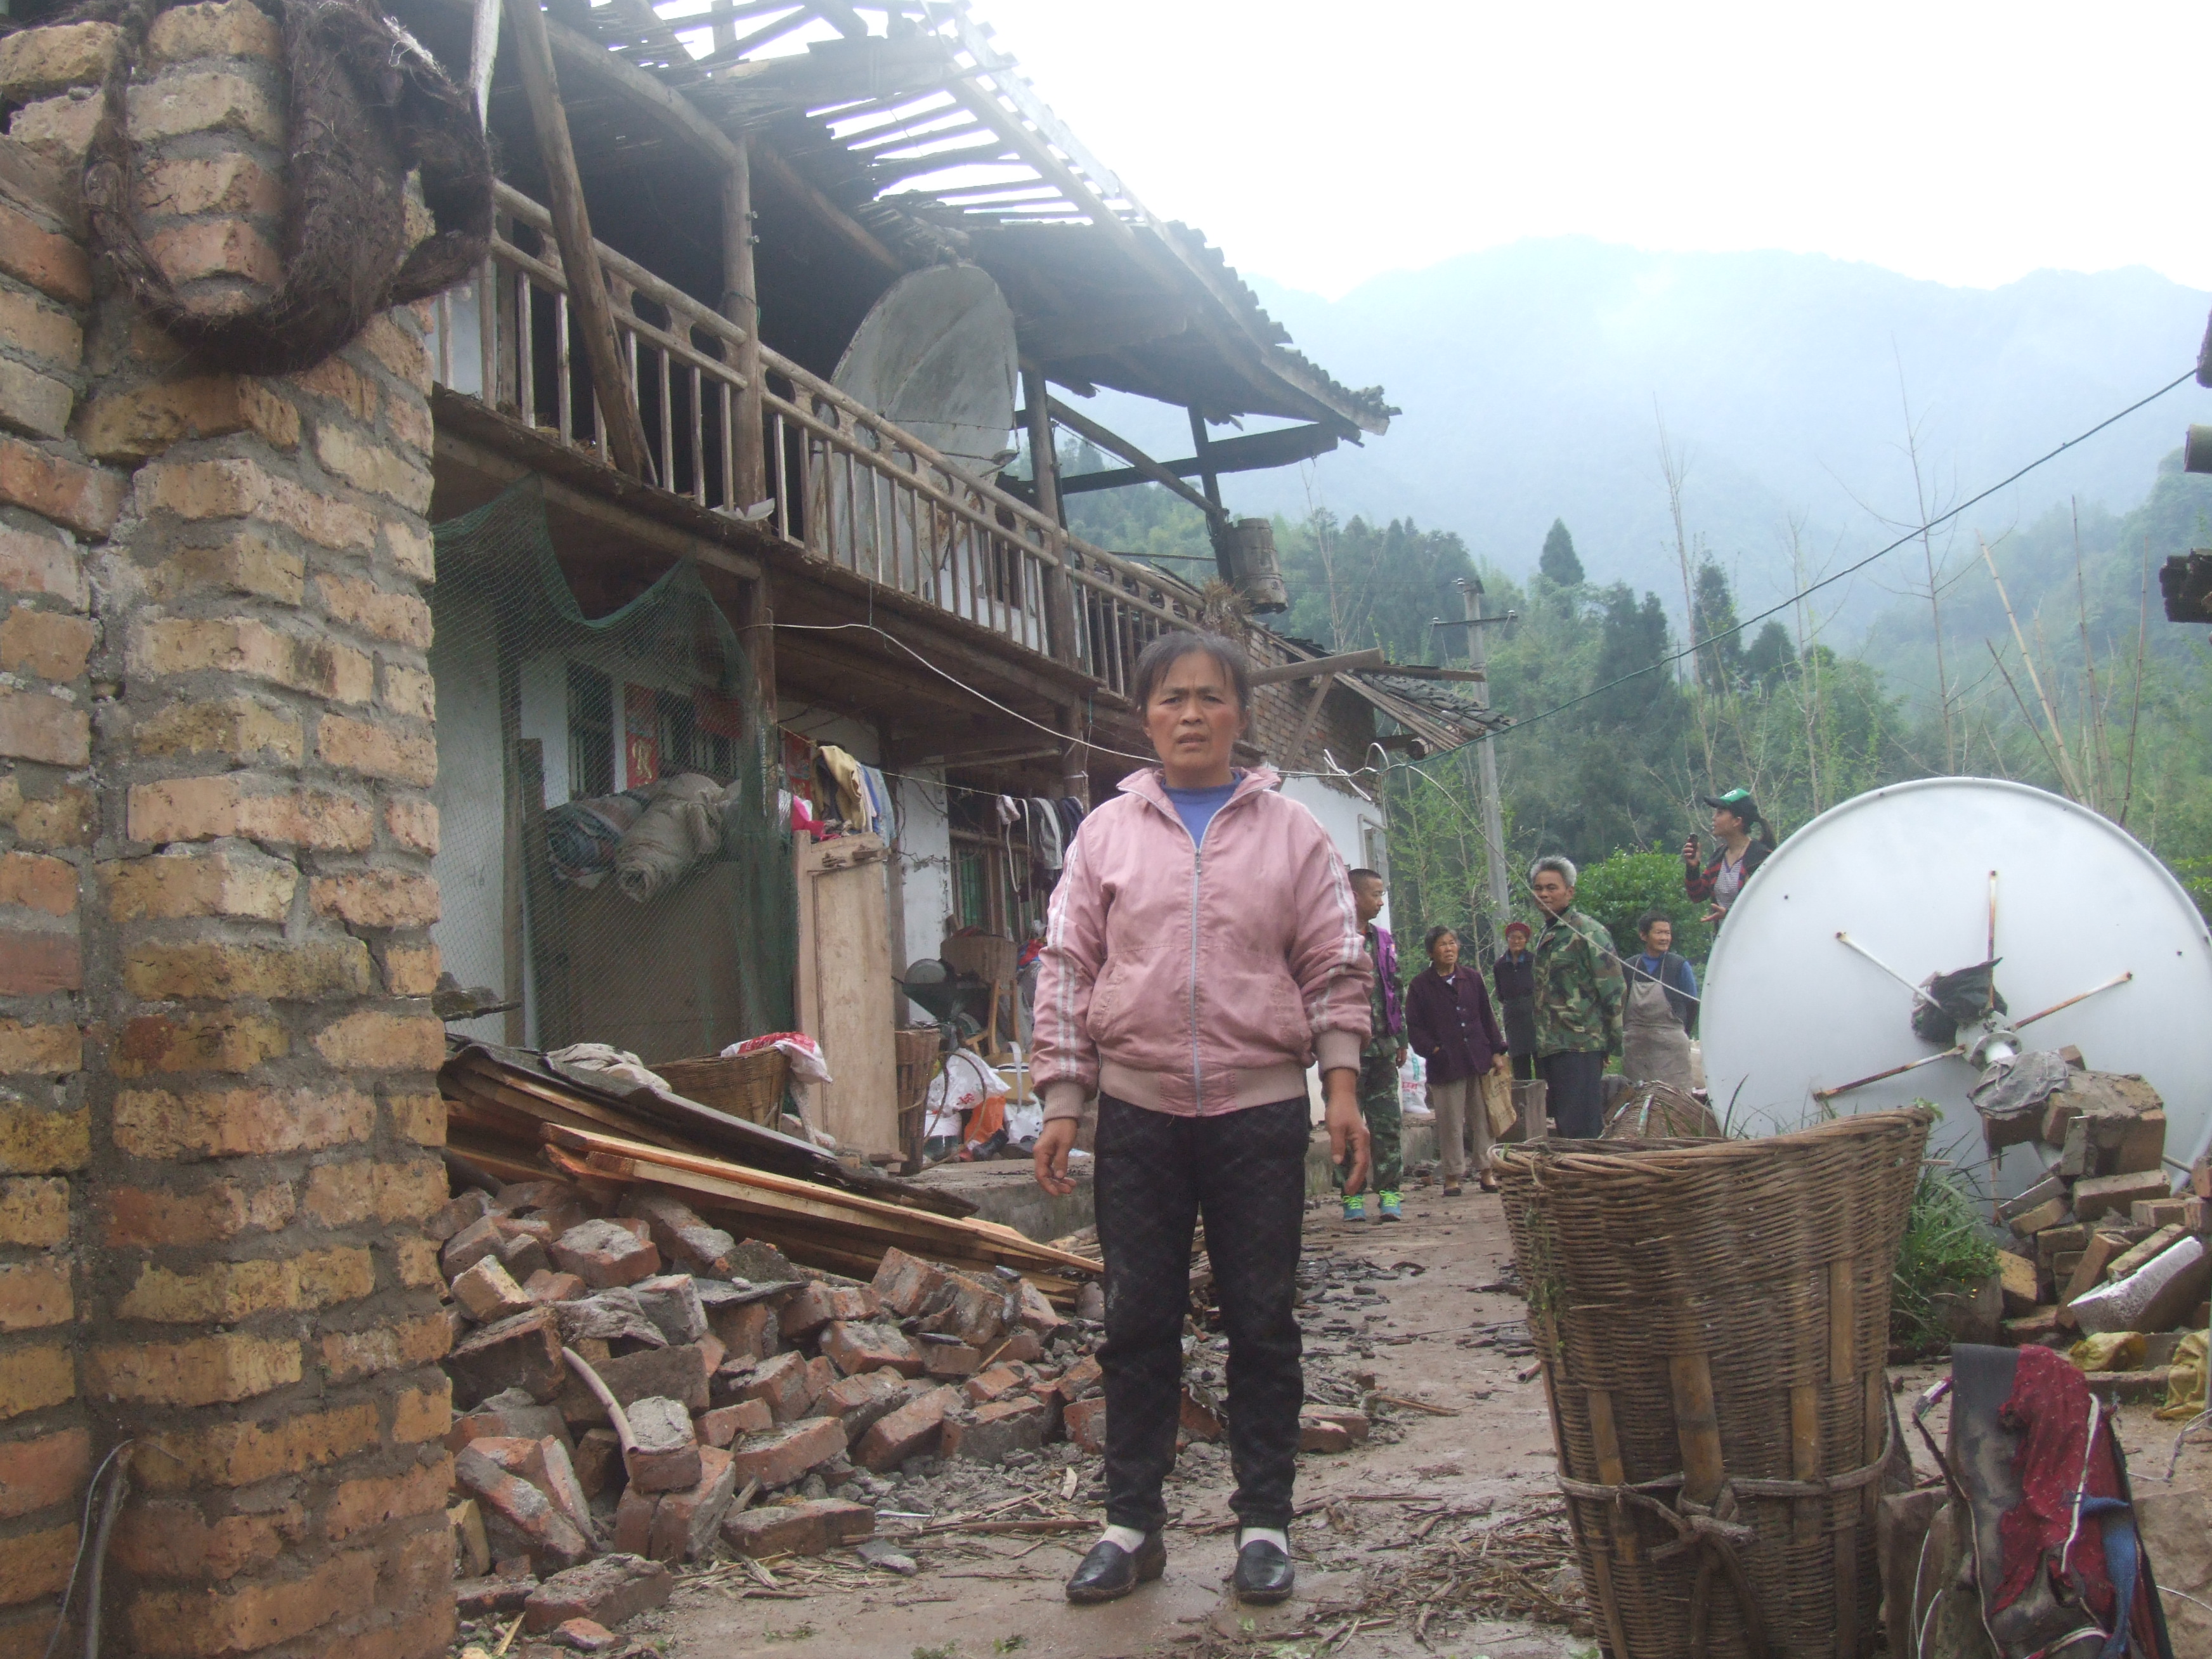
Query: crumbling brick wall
{"points": [[218, 1121], [1345, 727]]}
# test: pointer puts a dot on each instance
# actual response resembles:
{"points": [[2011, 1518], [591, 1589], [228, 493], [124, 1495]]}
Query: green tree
{"points": [[1619, 890], [1558, 563]]}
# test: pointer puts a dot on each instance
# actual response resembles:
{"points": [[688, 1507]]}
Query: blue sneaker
{"points": [[1355, 1208], [1390, 1207]]}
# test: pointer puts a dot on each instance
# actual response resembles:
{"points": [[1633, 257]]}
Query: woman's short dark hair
{"points": [[1429, 939], [1644, 922], [1165, 651]]}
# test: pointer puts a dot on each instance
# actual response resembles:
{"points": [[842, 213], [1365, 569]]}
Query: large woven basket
{"points": [[1712, 1319], [749, 1086]]}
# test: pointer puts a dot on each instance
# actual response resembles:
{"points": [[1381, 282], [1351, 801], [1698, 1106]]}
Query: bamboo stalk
{"points": [[2066, 772]]}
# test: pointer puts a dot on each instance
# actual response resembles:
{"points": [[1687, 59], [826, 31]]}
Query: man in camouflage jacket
{"points": [[1579, 996]]}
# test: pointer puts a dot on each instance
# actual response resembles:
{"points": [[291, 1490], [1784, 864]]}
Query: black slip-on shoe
{"points": [[1110, 1573], [1264, 1574]]}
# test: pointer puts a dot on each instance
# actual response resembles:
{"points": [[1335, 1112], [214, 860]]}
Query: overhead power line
{"points": [[1910, 535]]}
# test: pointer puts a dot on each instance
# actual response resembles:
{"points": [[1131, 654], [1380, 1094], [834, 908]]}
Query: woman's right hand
{"points": [[1690, 850], [1052, 1149], [1347, 1128]]}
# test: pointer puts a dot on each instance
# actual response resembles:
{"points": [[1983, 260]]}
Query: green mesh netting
{"points": [[555, 731]]}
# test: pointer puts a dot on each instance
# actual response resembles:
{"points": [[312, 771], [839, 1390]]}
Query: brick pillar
{"points": [[218, 1125]]}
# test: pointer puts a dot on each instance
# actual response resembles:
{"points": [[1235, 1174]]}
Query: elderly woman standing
{"points": [[1449, 1024], [1203, 949]]}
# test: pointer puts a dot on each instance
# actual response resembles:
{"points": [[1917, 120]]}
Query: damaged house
{"points": [[853, 268]]}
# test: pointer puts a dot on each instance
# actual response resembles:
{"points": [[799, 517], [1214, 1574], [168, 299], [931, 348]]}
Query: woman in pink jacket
{"points": [[1202, 951]]}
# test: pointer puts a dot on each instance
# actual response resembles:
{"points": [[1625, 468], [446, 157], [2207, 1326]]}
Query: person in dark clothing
{"points": [[1449, 1025], [1514, 976], [1736, 815]]}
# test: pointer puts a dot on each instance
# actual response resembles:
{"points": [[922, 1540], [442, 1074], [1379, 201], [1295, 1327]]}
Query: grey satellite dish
{"points": [[936, 355], [1814, 979]]}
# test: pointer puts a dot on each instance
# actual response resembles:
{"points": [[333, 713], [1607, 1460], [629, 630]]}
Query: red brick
{"points": [[809, 1529], [41, 1472], [682, 1238], [38, 563], [200, 1372], [244, 1454], [38, 882], [34, 726], [610, 1590], [783, 1384], [951, 1359], [664, 1453], [517, 1518], [36, 1563], [723, 1424], [817, 1303], [34, 1295], [858, 1348], [605, 1254], [52, 263], [34, 1211], [42, 1050], [787, 1452], [359, 1505], [912, 1429], [748, 1330], [238, 1618], [1085, 1420], [684, 1521], [905, 1283], [524, 1352], [986, 1433], [87, 499], [999, 1382], [166, 1538]]}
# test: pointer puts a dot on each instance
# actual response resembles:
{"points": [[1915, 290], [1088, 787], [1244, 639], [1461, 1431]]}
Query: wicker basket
{"points": [[749, 1086], [1712, 1318], [917, 1048]]}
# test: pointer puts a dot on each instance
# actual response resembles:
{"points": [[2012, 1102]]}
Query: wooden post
{"points": [[624, 432], [759, 636], [1217, 522], [741, 305], [1075, 759], [1044, 465]]}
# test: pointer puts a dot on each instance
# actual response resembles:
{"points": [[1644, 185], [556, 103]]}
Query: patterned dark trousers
{"points": [[1245, 1172]]}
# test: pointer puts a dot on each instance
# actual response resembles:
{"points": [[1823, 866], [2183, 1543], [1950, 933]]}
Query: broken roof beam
{"points": [[1084, 427], [1255, 452], [679, 118], [1348, 662]]}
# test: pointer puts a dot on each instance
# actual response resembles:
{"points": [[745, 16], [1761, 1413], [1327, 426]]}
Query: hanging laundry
{"points": [[852, 803], [878, 790], [1045, 832]]}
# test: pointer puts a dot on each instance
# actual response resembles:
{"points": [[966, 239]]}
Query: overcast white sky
{"points": [[1323, 144]]}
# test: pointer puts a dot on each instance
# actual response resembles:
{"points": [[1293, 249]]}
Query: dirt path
{"points": [[1439, 1477]]}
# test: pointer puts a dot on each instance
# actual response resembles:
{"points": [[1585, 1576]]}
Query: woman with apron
{"points": [[1514, 976], [1660, 1011]]}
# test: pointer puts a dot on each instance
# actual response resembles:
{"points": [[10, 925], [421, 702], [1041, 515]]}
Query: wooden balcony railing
{"points": [[850, 488]]}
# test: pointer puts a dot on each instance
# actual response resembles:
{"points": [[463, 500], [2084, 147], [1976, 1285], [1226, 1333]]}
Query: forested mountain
{"points": [[1533, 377]]}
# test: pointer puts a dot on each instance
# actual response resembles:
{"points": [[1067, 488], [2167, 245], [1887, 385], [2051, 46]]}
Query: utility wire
{"points": [[1852, 570]]}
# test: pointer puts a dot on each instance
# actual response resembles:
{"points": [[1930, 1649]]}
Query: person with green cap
{"points": [[1722, 878]]}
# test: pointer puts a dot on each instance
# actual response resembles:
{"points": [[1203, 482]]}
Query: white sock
{"points": [[1273, 1536], [1126, 1538]]}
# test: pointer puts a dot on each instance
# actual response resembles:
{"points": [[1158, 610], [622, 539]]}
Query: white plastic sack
{"points": [[2117, 1307], [597, 1066], [962, 1085]]}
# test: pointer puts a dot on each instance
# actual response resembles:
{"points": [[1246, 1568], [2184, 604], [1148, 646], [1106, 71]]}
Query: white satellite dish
{"points": [[936, 355], [1810, 991]]}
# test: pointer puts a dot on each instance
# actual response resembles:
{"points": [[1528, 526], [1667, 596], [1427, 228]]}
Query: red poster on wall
{"points": [[640, 736]]}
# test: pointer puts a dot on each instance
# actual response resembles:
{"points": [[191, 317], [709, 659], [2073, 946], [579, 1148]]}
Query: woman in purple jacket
{"points": [[1450, 1026]]}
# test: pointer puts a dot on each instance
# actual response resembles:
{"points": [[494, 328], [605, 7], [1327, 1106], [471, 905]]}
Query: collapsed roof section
{"points": [[911, 126]]}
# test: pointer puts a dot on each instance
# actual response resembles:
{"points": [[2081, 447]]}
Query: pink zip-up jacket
{"points": [[1198, 979]]}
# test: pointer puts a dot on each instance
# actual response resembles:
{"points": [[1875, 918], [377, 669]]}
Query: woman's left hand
{"points": [[1052, 1143], [1501, 1065]]}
